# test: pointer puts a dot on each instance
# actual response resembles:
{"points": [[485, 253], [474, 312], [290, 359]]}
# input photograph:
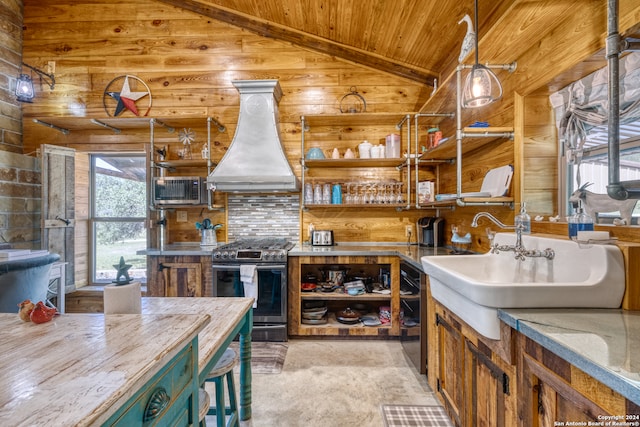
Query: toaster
{"points": [[322, 238]]}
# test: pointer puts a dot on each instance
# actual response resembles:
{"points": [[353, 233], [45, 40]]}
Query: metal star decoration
{"points": [[125, 98], [122, 276]]}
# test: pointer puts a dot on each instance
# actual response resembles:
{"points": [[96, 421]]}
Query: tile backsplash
{"points": [[263, 215]]}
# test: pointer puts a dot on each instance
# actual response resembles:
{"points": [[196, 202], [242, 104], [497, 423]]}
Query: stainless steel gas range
{"points": [[258, 268]]}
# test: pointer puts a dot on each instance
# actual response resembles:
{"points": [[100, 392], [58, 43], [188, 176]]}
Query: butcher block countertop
{"points": [[78, 369]]}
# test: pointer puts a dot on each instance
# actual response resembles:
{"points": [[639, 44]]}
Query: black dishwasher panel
{"points": [[413, 312]]}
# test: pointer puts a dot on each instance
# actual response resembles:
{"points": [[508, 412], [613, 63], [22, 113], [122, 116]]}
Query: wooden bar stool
{"points": [[222, 369], [203, 406]]}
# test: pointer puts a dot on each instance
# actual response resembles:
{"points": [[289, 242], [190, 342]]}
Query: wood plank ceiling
{"points": [[415, 39]]}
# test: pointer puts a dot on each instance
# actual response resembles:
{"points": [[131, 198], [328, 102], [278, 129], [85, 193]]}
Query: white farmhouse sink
{"points": [[475, 286]]}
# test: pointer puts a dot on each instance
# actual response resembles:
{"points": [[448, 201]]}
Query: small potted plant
{"points": [[208, 230]]}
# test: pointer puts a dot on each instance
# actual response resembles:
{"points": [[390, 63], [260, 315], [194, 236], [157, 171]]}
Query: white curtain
{"points": [[584, 104]]}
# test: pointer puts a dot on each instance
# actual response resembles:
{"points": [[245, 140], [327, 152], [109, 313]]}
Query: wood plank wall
{"points": [[10, 52], [19, 174], [189, 61], [561, 55]]}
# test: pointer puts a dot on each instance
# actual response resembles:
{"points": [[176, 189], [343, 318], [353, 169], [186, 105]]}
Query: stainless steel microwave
{"points": [[179, 190]]}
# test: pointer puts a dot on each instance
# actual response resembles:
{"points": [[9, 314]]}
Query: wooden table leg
{"points": [[245, 367]]}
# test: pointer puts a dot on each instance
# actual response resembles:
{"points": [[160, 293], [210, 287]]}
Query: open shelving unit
{"points": [[474, 138], [337, 300], [452, 151], [172, 165], [335, 128]]}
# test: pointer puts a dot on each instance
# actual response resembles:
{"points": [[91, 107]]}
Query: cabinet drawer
{"points": [[182, 371], [167, 391]]}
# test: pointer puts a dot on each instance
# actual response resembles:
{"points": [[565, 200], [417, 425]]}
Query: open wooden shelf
{"points": [[352, 205], [479, 138], [489, 201], [354, 163], [333, 327], [128, 123], [182, 163], [340, 296], [355, 119]]}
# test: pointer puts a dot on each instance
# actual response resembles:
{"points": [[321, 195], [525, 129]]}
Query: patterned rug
{"points": [[266, 357], [415, 416]]}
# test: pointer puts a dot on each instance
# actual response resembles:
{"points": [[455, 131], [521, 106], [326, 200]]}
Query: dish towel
{"points": [[249, 279]]}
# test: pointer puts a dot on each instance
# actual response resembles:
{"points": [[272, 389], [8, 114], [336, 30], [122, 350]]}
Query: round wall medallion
{"points": [[122, 93], [256, 105]]}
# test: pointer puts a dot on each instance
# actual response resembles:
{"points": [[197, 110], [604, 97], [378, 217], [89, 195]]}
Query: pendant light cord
{"points": [[477, 29]]}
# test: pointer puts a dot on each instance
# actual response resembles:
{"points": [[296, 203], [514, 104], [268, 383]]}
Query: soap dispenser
{"points": [[523, 219], [579, 221]]}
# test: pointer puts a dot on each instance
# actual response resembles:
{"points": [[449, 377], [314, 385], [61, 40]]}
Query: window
{"points": [[118, 212], [581, 111], [594, 165]]}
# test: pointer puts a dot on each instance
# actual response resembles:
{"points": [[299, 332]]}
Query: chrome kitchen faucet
{"points": [[518, 248]]}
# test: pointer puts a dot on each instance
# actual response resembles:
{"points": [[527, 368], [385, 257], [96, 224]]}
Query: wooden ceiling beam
{"points": [[305, 40]]}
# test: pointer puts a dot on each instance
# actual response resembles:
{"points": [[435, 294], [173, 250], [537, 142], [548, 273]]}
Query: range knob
{"points": [[216, 255], [225, 254], [281, 255]]}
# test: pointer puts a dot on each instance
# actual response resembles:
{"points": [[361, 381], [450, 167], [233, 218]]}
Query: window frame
{"points": [[95, 220], [593, 152]]}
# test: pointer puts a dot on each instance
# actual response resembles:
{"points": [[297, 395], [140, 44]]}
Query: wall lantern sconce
{"points": [[25, 91], [482, 86]]}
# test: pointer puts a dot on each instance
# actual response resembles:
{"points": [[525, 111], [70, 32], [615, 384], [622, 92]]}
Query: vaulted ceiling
{"points": [[415, 39]]}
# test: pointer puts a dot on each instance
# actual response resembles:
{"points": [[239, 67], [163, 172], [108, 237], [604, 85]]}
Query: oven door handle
{"points": [[258, 267]]}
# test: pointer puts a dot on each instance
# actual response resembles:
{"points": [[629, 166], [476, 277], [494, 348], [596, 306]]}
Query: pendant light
{"points": [[482, 86]]}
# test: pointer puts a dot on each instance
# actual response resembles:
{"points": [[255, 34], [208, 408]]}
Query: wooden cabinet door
{"points": [[58, 205], [179, 276], [552, 390], [450, 368], [489, 398], [547, 399], [182, 279]]}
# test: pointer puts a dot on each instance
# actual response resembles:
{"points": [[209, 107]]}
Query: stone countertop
{"points": [[408, 253], [604, 343], [78, 369], [180, 249]]}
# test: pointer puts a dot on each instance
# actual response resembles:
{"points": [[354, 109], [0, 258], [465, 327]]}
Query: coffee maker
{"points": [[430, 231]]}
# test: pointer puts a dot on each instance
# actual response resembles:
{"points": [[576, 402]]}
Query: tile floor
{"points": [[336, 383]]}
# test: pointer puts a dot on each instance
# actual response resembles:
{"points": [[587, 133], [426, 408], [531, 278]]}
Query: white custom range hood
{"points": [[256, 161]]}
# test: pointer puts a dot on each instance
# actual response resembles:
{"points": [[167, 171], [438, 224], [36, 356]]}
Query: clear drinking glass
{"points": [[326, 194], [308, 193], [317, 194], [349, 198], [357, 198], [399, 195]]}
